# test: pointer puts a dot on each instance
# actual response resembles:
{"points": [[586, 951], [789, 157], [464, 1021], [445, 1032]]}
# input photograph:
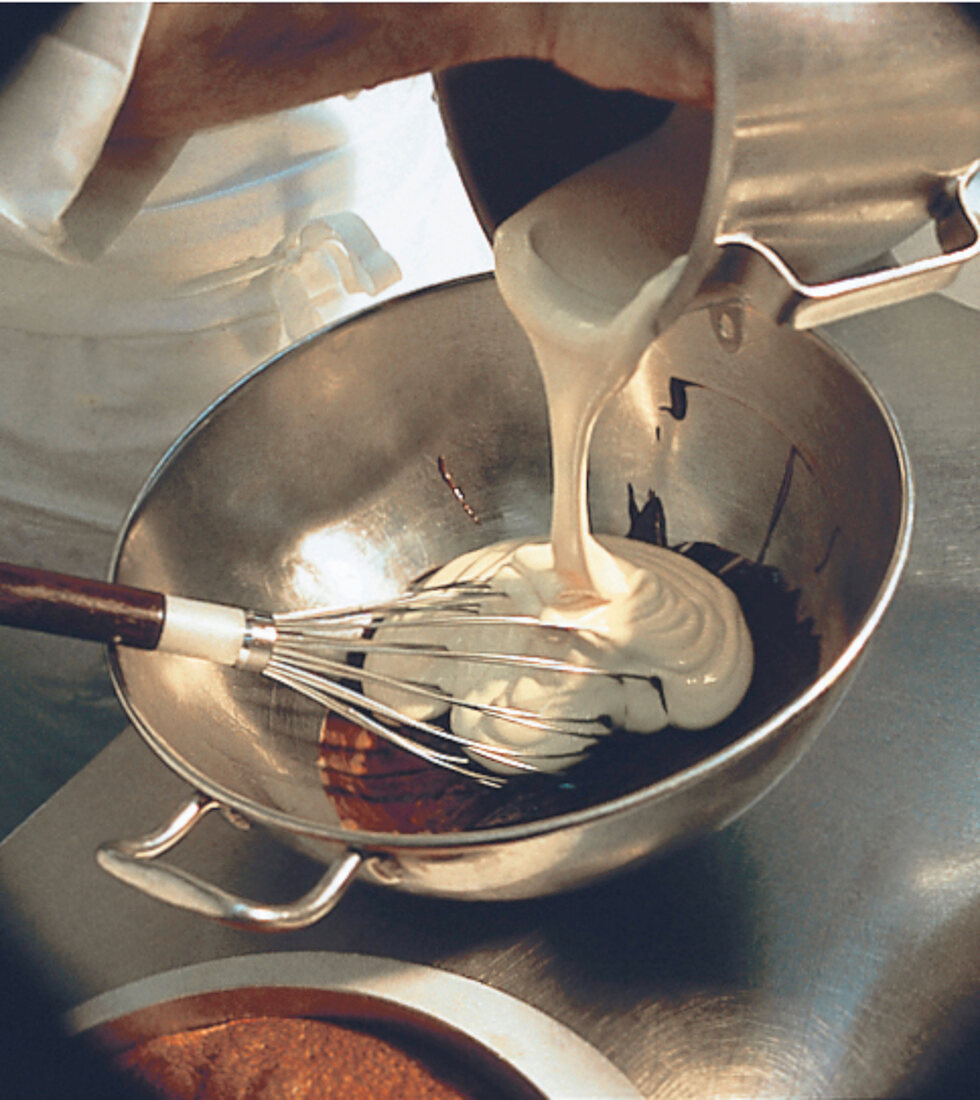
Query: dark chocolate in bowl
{"points": [[322, 479]]}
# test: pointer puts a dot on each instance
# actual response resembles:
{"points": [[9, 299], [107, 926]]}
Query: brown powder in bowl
{"points": [[290, 1058]]}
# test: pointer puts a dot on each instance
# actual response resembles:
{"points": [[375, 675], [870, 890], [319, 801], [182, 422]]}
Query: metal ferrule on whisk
{"points": [[258, 640]]}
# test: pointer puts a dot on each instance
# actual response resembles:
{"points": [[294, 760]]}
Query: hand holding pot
{"points": [[203, 65]]}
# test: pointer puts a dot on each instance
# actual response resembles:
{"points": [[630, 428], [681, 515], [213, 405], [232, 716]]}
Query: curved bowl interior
{"points": [[320, 480]]}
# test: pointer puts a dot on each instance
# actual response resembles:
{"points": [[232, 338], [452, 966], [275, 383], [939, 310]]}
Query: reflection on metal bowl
{"points": [[760, 439]]}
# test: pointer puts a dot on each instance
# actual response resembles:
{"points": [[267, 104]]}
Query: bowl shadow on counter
{"points": [[679, 922]]}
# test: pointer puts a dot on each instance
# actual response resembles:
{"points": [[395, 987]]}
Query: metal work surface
{"points": [[827, 944]]}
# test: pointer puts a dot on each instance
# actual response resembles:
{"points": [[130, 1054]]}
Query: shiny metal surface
{"points": [[825, 945], [129, 862], [516, 1050], [257, 645], [782, 452], [842, 122], [839, 130]]}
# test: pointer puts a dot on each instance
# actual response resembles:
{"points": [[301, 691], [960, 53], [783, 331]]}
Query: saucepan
{"points": [[839, 131], [337, 474]]}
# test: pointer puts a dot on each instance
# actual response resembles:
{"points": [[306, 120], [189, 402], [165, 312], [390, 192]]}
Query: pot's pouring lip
{"points": [[687, 777], [837, 132]]}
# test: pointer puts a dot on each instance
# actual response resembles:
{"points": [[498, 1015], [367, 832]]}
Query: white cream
{"points": [[668, 635]]}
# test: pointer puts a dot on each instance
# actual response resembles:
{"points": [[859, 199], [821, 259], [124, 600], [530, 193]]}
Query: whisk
{"points": [[318, 653]]}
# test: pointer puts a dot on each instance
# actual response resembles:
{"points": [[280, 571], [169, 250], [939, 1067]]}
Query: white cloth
{"points": [[56, 112], [255, 234]]}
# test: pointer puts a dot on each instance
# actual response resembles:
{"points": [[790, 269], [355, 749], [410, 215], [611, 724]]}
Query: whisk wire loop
{"points": [[314, 648]]}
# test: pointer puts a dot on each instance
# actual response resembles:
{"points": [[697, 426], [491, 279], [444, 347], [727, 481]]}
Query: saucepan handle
{"points": [[130, 861], [808, 304]]}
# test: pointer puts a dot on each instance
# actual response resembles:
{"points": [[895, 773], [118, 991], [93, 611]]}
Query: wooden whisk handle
{"points": [[56, 603]]}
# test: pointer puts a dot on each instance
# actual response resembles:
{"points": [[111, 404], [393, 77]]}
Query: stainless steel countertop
{"points": [[827, 944]]}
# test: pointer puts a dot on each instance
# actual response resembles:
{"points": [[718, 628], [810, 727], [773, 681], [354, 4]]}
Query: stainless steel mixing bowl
{"points": [[320, 479]]}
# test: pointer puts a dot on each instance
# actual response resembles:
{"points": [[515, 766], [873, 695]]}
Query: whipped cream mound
{"points": [[665, 638]]}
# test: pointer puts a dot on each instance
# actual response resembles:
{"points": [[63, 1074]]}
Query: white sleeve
{"points": [[56, 112]]}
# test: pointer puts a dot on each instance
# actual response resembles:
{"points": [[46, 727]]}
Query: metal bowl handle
{"points": [[807, 304], [129, 861]]}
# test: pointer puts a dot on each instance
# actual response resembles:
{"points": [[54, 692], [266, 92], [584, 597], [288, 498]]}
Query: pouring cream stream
{"points": [[670, 633]]}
